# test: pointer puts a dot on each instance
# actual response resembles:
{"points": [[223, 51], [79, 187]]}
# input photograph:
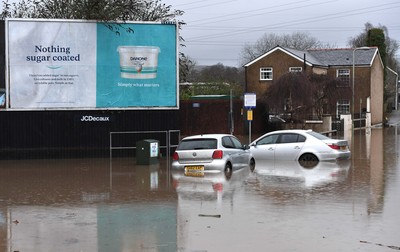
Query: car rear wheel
{"points": [[308, 157], [228, 171], [308, 160]]}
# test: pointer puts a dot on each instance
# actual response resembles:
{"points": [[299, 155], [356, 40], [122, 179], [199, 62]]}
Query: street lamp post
{"points": [[397, 92]]}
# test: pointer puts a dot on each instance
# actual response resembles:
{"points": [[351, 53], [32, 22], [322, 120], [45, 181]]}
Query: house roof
{"points": [[327, 57], [344, 57]]}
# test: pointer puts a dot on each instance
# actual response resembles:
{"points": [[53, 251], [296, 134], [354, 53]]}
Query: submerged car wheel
{"points": [[308, 160], [228, 171], [308, 157], [252, 164]]}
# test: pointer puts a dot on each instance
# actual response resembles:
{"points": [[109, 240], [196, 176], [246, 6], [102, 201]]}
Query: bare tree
{"points": [[296, 40]]}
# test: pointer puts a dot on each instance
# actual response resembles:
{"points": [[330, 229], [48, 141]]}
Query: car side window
{"points": [[271, 139], [237, 143], [301, 138], [290, 138], [227, 142]]}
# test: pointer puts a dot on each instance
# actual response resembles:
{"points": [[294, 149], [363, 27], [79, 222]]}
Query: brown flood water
{"points": [[115, 205]]}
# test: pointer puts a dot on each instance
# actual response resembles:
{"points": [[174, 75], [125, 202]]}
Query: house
{"points": [[338, 63]]}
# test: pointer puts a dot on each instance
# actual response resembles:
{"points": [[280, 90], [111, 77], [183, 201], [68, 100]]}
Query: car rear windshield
{"points": [[318, 135], [197, 144]]}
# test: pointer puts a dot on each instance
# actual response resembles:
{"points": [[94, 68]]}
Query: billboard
{"points": [[73, 64]]}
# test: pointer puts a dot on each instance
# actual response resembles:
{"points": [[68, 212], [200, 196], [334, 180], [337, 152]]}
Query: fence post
{"points": [[347, 126], [327, 123]]}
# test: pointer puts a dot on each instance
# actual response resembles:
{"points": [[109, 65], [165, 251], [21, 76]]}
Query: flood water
{"points": [[105, 204]]}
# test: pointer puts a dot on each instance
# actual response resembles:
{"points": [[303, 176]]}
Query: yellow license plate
{"points": [[194, 171], [343, 147]]}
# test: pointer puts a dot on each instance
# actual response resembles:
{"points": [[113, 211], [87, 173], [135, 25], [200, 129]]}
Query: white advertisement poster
{"points": [[52, 64], [77, 64]]}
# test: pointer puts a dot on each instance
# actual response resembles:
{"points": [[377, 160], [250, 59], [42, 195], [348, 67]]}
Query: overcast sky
{"points": [[217, 30]]}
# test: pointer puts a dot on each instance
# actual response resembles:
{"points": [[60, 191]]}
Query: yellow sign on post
{"points": [[250, 115]]}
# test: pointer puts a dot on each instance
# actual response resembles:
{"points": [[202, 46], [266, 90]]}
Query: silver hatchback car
{"points": [[211, 153]]}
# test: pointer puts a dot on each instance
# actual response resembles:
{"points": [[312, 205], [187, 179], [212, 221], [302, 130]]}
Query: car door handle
{"points": [[297, 147], [270, 148]]}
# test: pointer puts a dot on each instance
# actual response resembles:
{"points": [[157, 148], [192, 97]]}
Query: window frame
{"points": [[291, 69], [344, 78], [343, 103], [266, 73]]}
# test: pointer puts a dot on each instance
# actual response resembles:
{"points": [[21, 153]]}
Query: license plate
{"points": [[343, 148], [194, 171]]}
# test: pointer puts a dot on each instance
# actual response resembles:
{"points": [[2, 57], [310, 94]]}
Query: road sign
{"points": [[250, 115], [249, 100]]}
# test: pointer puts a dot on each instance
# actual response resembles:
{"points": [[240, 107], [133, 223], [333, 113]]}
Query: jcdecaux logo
{"points": [[95, 118]]}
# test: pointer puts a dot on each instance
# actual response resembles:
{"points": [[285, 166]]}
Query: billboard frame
{"points": [[7, 66]]}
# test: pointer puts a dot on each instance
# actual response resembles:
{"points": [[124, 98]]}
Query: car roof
{"points": [[206, 136]]}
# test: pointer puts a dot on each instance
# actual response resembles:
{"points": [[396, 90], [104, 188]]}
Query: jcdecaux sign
{"points": [[70, 64]]}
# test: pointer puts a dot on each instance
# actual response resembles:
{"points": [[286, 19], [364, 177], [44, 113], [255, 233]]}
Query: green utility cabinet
{"points": [[147, 152]]}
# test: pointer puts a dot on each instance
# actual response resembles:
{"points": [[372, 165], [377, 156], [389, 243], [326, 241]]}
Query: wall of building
{"points": [[279, 61], [211, 116], [377, 92]]}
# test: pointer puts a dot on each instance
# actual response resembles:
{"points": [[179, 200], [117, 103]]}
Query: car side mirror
{"points": [[246, 147]]}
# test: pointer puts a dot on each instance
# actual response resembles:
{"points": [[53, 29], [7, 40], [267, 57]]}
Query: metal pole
{"points": [[231, 114], [249, 132], [352, 102], [397, 92], [111, 147]]}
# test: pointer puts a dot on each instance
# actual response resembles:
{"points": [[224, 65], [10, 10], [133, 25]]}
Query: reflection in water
{"points": [[288, 182], [293, 172], [81, 205], [203, 203], [368, 167], [212, 186], [90, 205]]}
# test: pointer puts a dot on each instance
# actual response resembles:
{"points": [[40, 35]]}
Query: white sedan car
{"points": [[211, 153], [298, 145]]}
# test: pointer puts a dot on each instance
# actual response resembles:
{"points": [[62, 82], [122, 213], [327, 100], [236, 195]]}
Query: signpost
{"points": [[249, 104]]}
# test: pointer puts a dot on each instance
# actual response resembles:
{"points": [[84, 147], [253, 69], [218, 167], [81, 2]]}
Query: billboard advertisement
{"points": [[70, 64]]}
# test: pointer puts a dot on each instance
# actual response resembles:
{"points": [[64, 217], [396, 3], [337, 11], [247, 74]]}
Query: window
{"points": [[266, 73], [271, 139], [295, 69], [237, 143], [318, 135], [197, 144], [344, 76], [291, 138], [227, 142], [231, 142], [343, 107]]}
